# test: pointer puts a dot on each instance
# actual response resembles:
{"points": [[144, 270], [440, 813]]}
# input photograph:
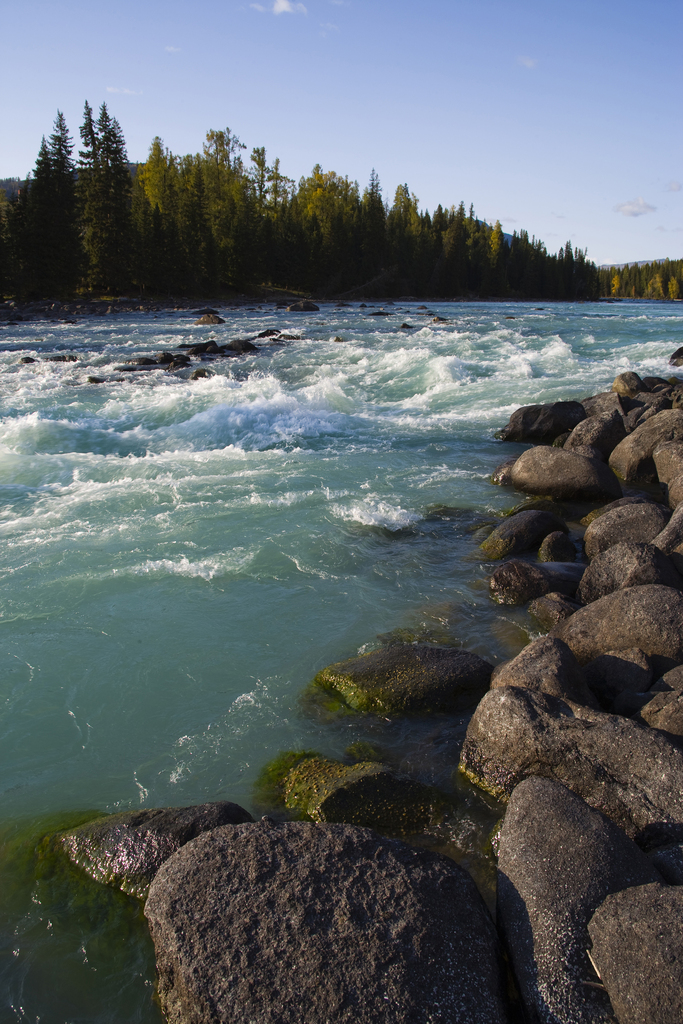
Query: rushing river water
{"points": [[179, 558]]}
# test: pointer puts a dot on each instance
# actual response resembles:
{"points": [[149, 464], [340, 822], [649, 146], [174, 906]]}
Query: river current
{"points": [[179, 558]]}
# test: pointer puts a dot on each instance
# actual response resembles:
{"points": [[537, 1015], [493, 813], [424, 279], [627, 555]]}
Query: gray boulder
{"points": [[409, 678], [557, 547], [523, 531], [632, 458], [502, 475], [303, 306], [516, 582], [209, 318], [564, 475], [558, 860], [637, 522], [126, 850], [637, 937], [617, 672], [547, 666], [552, 608], [631, 774], [627, 564], [628, 384], [605, 402], [674, 491], [604, 432], [542, 423], [668, 459], [664, 711], [670, 538], [280, 923], [597, 512], [649, 617]]}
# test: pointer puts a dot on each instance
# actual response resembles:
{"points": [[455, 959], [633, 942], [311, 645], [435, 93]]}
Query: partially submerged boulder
{"points": [[516, 582], [631, 774], [303, 306], [209, 318], [564, 475], [637, 937], [632, 458], [523, 531], [557, 547], [126, 850], [639, 522], [542, 423], [547, 666], [627, 564], [280, 923], [502, 475], [409, 678], [552, 608], [558, 859]]}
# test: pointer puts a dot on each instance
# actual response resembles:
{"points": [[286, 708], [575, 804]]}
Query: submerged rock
{"points": [[542, 423], [557, 547], [126, 850], [303, 306], [564, 475], [516, 582], [297, 921], [558, 859], [523, 531], [409, 678]]}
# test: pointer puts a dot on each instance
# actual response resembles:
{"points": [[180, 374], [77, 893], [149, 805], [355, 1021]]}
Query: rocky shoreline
{"points": [[310, 914]]}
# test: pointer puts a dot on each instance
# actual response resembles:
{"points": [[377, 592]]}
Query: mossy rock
{"points": [[409, 679], [269, 790], [536, 505], [361, 750]]}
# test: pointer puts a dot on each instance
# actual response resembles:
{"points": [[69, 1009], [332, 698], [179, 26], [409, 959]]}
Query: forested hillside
{"points": [[214, 222], [661, 280]]}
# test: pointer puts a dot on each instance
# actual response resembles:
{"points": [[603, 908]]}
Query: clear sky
{"points": [[561, 118]]}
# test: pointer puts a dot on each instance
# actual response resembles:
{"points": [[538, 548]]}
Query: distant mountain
{"points": [[633, 263]]}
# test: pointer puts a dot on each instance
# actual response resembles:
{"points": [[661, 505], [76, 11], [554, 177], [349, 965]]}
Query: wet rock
{"points": [[516, 582], [240, 345], [604, 403], [521, 532], [628, 385], [502, 475], [656, 382], [676, 358], [258, 922], [542, 423], [209, 318], [199, 374], [551, 609], [627, 564], [638, 523], [557, 547], [95, 380], [632, 458], [648, 617], [409, 678], [269, 333], [616, 672], [303, 306], [27, 359], [564, 475], [631, 774], [547, 666], [126, 850], [60, 359], [164, 357], [637, 937], [669, 862], [604, 432], [619, 503], [558, 860]]}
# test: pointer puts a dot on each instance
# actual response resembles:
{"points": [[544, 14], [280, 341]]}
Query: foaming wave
{"points": [[205, 568], [377, 513]]}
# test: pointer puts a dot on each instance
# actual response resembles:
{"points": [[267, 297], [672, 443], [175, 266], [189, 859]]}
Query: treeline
{"points": [[649, 281], [212, 222]]}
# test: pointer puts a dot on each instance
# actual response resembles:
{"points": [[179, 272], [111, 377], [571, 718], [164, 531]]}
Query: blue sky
{"points": [[561, 118]]}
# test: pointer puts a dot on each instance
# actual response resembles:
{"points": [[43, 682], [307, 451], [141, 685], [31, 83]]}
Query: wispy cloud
{"points": [[328, 27], [172, 49], [660, 227], [287, 7], [673, 186], [634, 208], [124, 92], [527, 62], [338, 3]]}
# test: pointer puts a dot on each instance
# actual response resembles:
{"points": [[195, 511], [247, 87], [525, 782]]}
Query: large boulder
{"points": [[668, 460], [626, 564], [602, 509], [548, 666], [649, 617], [643, 408], [637, 937], [516, 582], [564, 475], [632, 458], [552, 608], [280, 923], [557, 547], [209, 318], [523, 531], [558, 860], [628, 384], [605, 402], [604, 432], [542, 423], [407, 678], [664, 711], [631, 774], [615, 673], [638, 522], [126, 850]]}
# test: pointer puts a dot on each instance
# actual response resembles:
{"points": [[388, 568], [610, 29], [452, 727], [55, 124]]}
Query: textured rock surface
{"points": [[557, 547], [604, 402], [637, 938], [640, 522], [209, 318], [665, 712], [616, 672], [668, 459], [631, 774], [502, 474], [558, 860], [548, 666], [628, 384], [551, 609], [517, 581], [542, 423], [597, 512], [126, 850], [604, 432], [669, 862], [632, 458], [522, 531], [291, 922], [649, 617], [564, 474], [670, 539], [627, 564], [409, 678], [674, 491]]}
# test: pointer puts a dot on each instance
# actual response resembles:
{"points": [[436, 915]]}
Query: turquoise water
{"points": [[180, 558]]}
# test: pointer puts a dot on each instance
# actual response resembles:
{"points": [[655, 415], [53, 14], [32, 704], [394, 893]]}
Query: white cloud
{"points": [[634, 208], [527, 62], [287, 7], [172, 49], [328, 27], [258, 7], [673, 186], [124, 92]]}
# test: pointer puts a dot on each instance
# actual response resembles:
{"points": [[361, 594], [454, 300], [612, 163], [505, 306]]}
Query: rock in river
{"points": [[407, 678], [292, 922], [523, 531], [542, 423], [209, 318], [517, 581], [603, 432], [564, 475]]}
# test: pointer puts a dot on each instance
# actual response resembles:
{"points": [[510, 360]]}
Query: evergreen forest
{"points": [[217, 222], [659, 280]]}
